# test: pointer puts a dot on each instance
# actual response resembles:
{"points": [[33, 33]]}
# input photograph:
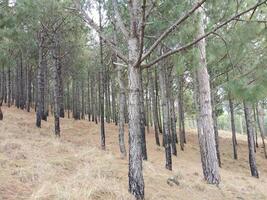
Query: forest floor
{"points": [[36, 165]]}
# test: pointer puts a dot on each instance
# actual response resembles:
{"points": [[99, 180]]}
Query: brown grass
{"points": [[36, 165]]}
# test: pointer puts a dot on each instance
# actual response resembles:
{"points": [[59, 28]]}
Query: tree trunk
{"points": [[205, 121], [147, 102], [122, 105], [60, 80], [1, 113], [255, 130], [40, 84], [17, 84], [154, 109], [122, 100], [181, 111], [173, 125], [29, 86], [136, 181], [68, 98], [260, 114], [215, 124], [249, 123], [113, 101], [92, 98], [166, 117], [234, 141], [56, 88], [142, 120], [21, 83], [101, 88], [158, 102], [83, 115], [9, 88], [88, 97]]}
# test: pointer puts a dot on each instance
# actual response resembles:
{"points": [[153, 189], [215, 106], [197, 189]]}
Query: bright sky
{"points": [[11, 2], [93, 13]]}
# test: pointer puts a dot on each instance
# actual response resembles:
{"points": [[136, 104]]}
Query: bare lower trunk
{"points": [[255, 130], [29, 87], [154, 110], [89, 109], [157, 102], [166, 117], [122, 105], [147, 100], [83, 115], [136, 181], [60, 80], [22, 81], [1, 113], [234, 141], [181, 112], [68, 99], [55, 80], [9, 88], [260, 114], [40, 85], [249, 123], [114, 106], [215, 124], [173, 126], [142, 120]]}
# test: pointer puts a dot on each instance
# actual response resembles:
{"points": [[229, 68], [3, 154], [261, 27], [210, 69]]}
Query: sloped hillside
{"points": [[36, 165]]}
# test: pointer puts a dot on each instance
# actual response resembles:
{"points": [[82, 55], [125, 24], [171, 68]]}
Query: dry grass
{"points": [[36, 165]]}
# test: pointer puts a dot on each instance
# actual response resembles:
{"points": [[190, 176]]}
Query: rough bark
{"points": [[173, 125], [154, 110], [56, 88], [89, 109], [205, 122], [249, 124], [234, 141], [9, 88], [166, 117], [260, 115], [255, 130], [29, 88], [113, 101], [142, 120], [122, 100], [59, 74], [181, 111], [68, 98], [1, 113], [83, 114], [122, 105], [136, 181], [92, 98], [21, 84], [40, 83], [215, 124], [158, 102], [101, 88]]}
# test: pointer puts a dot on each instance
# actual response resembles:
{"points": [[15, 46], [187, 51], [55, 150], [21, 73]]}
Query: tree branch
{"points": [[152, 6], [94, 26], [190, 44], [171, 28], [141, 33], [119, 19], [256, 21]]}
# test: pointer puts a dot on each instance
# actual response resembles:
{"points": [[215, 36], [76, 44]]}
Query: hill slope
{"points": [[36, 165]]}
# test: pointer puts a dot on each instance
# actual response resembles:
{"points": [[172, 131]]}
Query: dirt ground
{"points": [[36, 165]]}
